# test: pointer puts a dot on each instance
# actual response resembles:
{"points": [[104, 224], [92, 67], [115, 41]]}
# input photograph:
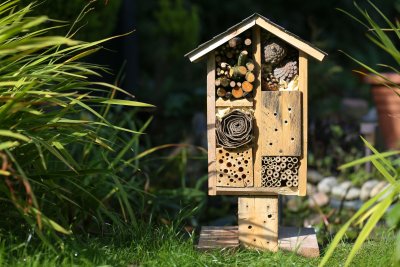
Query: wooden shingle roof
{"points": [[255, 19]]}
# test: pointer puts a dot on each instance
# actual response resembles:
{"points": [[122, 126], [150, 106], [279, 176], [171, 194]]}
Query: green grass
{"points": [[163, 247]]}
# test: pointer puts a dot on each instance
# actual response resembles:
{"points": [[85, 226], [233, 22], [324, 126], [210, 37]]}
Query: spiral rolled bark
{"points": [[234, 130]]}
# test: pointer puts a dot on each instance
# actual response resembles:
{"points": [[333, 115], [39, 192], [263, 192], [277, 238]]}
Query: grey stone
{"points": [[314, 176], [367, 188], [327, 184], [319, 199], [377, 188], [353, 193], [387, 193], [346, 185], [339, 192], [350, 204]]}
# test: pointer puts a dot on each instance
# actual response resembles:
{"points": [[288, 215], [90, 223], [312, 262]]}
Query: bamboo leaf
{"points": [[375, 217], [368, 159], [8, 133], [122, 102]]}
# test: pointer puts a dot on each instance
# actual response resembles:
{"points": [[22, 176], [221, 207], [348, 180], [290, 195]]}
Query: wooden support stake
{"points": [[258, 222], [257, 155], [212, 172], [303, 88]]}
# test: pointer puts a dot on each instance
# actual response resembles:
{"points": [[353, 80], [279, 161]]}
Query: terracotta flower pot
{"points": [[388, 106]]}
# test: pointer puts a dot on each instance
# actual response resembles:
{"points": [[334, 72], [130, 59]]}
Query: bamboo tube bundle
{"points": [[280, 171]]}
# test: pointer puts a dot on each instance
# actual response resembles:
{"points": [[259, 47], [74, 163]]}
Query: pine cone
{"points": [[270, 83], [286, 70], [274, 51]]}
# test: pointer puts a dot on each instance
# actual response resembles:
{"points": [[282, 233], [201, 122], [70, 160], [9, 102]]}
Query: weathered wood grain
{"points": [[281, 123]]}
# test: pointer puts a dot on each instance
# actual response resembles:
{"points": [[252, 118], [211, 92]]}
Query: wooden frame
{"points": [[256, 104], [274, 117]]}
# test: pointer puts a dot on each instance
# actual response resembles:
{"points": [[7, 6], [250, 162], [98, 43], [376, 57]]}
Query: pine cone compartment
{"points": [[274, 51], [286, 70]]}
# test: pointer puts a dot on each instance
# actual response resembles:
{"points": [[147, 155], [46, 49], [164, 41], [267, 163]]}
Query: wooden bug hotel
{"points": [[257, 131]]}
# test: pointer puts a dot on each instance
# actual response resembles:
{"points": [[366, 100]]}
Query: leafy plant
{"points": [[59, 153], [374, 209]]}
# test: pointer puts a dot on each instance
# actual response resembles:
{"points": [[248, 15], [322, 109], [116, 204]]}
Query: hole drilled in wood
{"points": [[237, 169], [250, 227]]}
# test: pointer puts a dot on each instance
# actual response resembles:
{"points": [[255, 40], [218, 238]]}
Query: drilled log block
{"points": [[281, 123], [234, 167]]}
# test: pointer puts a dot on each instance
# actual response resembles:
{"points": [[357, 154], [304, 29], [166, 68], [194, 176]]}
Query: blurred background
{"points": [[151, 64]]}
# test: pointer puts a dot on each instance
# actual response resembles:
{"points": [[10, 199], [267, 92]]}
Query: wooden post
{"points": [[258, 222], [212, 171], [257, 154], [303, 81]]}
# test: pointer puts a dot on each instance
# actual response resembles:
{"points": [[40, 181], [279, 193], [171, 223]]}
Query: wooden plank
{"points": [[258, 222], [234, 167], [257, 155], [271, 124], [218, 237], [248, 191], [211, 124], [302, 241], [245, 102], [281, 124], [219, 40], [299, 44], [303, 81]]}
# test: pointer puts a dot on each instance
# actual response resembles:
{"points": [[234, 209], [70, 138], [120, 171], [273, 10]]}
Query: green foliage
{"points": [[384, 37], [166, 246], [97, 24], [60, 155], [374, 209]]}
